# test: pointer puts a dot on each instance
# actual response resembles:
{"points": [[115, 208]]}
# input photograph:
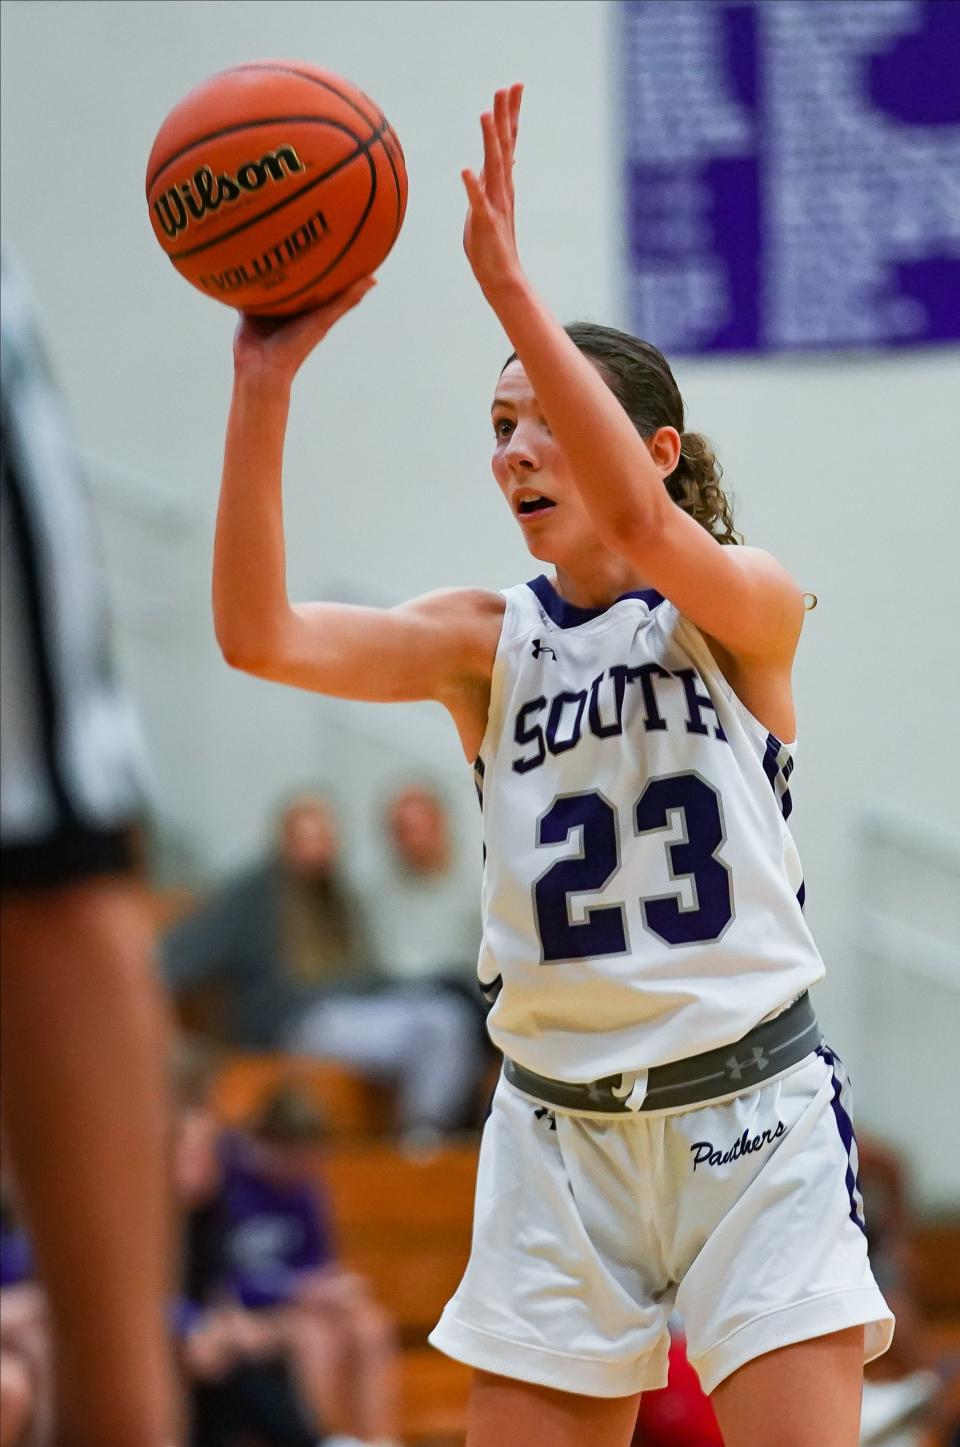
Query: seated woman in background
{"points": [[276, 936], [284, 946]]}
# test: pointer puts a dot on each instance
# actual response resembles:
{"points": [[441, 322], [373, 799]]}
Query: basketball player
{"points": [[669, 1129], [83, 1024]]}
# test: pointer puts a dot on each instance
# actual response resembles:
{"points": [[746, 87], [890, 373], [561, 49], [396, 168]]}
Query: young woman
{"points": [[669, 1128]]}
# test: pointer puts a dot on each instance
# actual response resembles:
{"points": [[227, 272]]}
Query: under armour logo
{"points": [[735, 1067], [541, 1113], [539, 648]]}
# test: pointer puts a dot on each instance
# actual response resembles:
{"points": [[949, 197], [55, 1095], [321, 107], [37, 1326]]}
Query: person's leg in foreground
{"points": [[84, 1110]]}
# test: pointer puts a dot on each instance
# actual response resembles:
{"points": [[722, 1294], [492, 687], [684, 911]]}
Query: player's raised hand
{"points": [[282, 344], [489, 235]]}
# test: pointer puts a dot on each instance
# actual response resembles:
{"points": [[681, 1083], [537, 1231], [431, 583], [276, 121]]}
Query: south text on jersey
{"points": [[624, 697]]}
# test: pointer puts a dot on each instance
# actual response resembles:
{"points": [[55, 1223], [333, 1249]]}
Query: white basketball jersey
{"points": [[642, 895]]}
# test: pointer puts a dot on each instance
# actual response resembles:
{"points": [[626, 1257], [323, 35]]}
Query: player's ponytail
{"points": [[694, 485], [640, 378]]}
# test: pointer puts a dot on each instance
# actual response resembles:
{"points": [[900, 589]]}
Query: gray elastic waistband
{"points": [[767, 1050]]}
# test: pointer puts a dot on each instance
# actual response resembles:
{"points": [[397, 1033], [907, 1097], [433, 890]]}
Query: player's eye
{"points": [[503, 426]]}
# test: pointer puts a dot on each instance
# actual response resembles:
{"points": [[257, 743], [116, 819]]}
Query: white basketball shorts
{"points": [[744, 1216]]}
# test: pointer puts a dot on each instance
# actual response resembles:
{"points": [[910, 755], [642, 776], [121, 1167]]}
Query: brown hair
{"points": [[640, 378], [288, 1117]]}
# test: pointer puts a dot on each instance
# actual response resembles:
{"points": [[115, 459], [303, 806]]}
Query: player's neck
{"points": [[598, 582]]}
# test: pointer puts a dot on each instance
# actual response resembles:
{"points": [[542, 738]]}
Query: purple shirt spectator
{"points": [[279, 1229]]}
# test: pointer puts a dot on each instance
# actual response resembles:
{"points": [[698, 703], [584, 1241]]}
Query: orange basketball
{"points": [[275, 185]]}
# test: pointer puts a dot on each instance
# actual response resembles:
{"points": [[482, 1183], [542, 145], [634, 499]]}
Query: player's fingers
{"points": [[489, 171], [353, 295], [310, 327], [474, 189], [515, 100], [492, 161], [501, 115], [318, 320]]}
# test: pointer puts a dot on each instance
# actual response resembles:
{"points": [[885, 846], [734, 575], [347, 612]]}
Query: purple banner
{"points": [[792, 173]]}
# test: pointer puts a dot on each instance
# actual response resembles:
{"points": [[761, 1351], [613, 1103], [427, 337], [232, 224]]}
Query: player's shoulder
{"points": [[775, 592], [470, 620], [465, 607], [762, 565]]}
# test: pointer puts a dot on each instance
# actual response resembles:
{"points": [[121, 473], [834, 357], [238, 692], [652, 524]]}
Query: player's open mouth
{"points": [[531, 503]]}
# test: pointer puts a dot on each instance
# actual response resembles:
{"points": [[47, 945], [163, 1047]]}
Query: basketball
{"points": [[275, 185]]}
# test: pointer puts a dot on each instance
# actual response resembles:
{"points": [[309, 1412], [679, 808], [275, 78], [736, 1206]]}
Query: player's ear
{"points": [[664, 447]]}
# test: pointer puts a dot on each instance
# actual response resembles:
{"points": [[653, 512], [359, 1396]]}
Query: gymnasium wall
{"points": [[845, 466]]}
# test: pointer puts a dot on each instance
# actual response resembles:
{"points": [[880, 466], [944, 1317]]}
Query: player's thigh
{"points": [[508, 1413], [804, 1395]]}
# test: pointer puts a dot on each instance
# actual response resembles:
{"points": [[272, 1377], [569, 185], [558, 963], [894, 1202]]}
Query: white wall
{"points": [[846, 468]]}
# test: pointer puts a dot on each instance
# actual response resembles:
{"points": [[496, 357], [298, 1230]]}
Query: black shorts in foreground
{"points": [[72, 854]]}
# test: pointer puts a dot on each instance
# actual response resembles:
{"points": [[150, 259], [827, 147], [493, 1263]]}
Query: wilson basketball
{"points": [[275, 185]]}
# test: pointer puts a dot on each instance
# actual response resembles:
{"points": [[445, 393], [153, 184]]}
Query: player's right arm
{"points": [[438, 647]]}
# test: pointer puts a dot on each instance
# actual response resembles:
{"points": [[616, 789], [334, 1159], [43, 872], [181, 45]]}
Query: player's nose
{"points": [[520, 453]]}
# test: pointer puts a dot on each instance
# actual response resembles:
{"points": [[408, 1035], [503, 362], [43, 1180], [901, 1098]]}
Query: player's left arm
{"points": [[742, 597]]}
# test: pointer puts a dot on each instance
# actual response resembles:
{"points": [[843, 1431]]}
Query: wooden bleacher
{"points": [[403, 1222], [351, 1106], [936, 1268]]}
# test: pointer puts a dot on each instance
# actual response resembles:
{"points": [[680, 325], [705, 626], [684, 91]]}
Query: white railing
{"points": [[147, 546], [908, 944], [922, 838], [413, 731], [142, 502], [911, 867], [914, 951]]}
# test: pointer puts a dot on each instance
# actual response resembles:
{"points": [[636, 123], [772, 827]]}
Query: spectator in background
{"points": [[900, 1391], [238, 1381], [278, 936], [340, 1342], [26, 1418], [83, 1022], [288, 942], [422, 1027], [422, 905]]}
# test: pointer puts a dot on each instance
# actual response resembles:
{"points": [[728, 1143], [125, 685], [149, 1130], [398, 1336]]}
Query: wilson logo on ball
{"points": [[206, 191]]}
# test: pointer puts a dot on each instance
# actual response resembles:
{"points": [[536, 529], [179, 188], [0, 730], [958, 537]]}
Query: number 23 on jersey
{"points": [[694, 858]]}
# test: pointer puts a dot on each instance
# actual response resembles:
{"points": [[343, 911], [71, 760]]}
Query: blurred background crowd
{"points": [[329, 1050], [310, 1006], [301, 876]]}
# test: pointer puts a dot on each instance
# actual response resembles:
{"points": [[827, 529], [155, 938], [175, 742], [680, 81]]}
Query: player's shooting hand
{"points": [[280, 345], [489, 235]]}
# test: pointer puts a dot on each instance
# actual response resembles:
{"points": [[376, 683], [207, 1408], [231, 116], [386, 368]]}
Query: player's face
{"points": [[533, 473]]}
